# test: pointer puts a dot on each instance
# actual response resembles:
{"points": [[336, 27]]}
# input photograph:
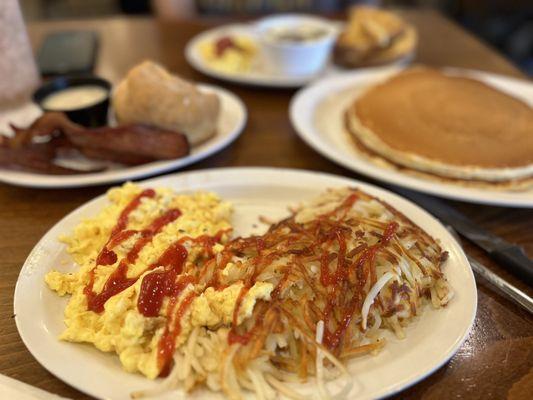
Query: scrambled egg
{"points": [[233, 59], [121, 328]]}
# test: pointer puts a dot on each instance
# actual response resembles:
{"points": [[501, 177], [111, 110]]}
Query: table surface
{"points": [[495, 362]]}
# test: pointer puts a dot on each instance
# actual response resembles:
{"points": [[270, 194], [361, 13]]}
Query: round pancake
{"points": [[450, 126], [510, 185]]}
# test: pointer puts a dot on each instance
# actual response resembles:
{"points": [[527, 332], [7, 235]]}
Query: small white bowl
{"points": [[288, 57]]}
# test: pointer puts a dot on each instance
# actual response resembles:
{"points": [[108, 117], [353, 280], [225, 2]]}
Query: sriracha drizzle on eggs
{"points": [[156, 285], [167, 343], [118, 280], [106, 256]]}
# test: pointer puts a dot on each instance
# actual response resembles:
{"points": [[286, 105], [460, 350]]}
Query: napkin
{"points": [[13, 389]]}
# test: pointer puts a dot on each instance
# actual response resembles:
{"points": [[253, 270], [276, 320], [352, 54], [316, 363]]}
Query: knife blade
{"points": [[508, 254], [498, 283]]}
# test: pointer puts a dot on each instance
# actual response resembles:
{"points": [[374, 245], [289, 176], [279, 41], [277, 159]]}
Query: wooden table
{"points": [[496, 360]]}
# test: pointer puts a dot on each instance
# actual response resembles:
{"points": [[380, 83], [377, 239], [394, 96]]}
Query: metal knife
{"points": [[499, 284], [509, 255]]}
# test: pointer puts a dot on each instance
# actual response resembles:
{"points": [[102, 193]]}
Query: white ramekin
{"points": [[298, 58]]}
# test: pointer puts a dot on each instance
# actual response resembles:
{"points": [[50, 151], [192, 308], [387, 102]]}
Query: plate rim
{"points": [[143, 171], [266, 172], [316, 91]]}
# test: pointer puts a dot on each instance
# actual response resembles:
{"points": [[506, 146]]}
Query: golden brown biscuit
{"points": [[151, 95]]}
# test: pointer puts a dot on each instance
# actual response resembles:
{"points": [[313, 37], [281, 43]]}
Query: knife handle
{"points": [[517, 261], [512, 292]]}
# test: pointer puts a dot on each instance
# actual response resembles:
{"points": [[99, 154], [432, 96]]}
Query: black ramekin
{"points": [[90, 116]]}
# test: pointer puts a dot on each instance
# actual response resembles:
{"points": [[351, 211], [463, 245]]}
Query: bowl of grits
{"points": [[85, 100], [295, 44]]}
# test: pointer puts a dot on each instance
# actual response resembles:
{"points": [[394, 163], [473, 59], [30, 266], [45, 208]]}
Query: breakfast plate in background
{"points": [[229, 124], [252, 65], [271, 51], [318, 116], [431, 339]]}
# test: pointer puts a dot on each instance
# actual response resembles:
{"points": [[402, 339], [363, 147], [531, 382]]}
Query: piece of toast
{"points": [[373, 37]]}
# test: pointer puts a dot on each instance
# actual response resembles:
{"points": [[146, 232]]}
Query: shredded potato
{"points": [[344, 268]]}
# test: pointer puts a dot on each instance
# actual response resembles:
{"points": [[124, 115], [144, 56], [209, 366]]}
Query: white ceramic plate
{"points": [[231, 122], [431, 339], [317, 111], [258, 75]]}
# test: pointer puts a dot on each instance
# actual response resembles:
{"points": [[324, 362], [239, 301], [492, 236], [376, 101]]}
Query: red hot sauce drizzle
{"points": [[333, 339], [167, 343], [158, 284], [233, 336], [169, 282], [147, 234], [336, 280], [106, 256], [118, 280]]}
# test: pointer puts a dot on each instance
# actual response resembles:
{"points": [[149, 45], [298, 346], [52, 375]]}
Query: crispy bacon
{"points": [[37, 157], [128, 144]]}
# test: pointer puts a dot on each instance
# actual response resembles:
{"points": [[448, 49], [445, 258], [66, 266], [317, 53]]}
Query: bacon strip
{"points": [[36, 157], [128, 144]]}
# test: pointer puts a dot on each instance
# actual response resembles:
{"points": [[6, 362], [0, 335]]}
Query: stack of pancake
{"points": [[374, 37], [452, 128]]}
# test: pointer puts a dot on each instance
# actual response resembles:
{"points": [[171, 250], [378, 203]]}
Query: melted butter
{"points": [[75, 97]]}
